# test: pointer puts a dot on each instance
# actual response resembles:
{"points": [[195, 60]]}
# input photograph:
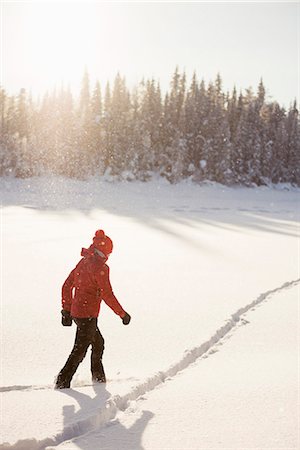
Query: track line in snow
{"points": [[30, 387], [25, 388], [120, 403]]}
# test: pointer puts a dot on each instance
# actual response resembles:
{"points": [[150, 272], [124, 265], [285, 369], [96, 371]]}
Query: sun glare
{"points": [[61, 39], [44, 43]]}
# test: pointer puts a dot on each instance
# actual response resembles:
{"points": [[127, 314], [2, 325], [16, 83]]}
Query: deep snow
{"points": [[240, 394], [186, 258]]}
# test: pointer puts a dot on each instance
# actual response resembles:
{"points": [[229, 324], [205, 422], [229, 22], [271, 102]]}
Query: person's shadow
{"points": [[94, 416]]}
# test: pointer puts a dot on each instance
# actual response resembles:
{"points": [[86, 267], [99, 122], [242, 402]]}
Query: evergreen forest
{"points": [[194, 131]]}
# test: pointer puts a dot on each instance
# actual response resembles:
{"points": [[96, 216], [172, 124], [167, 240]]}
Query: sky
{"points": [[45, 44]]}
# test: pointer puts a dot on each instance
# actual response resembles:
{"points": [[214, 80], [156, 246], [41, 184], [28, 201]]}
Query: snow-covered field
{"points": [[191, 264]]}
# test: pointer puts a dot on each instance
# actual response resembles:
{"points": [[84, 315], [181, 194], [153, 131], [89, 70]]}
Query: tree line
{"points": [[197, 131]]}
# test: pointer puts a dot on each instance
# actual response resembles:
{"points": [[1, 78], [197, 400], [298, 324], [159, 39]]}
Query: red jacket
{"points": [[87, 285]]}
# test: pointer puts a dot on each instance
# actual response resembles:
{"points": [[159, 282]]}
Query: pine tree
{"points": [[293, 145], [96, 132], [67, 136], [250, 140], [23, 166], [233, 113], [149, 117], [118, 128], [273, 159], [22, 115], [175, 145], [8, 135], [135, 168], [84, 102], [261, 94], [107, 129], [3, 98], [217, 146], [85, 115], [191, 126]]}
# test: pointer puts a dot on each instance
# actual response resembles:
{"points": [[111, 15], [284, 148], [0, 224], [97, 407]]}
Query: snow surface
{"points": [[239, 394], [189, 262]]}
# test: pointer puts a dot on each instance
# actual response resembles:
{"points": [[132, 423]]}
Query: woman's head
{"points": [[102, 242]]}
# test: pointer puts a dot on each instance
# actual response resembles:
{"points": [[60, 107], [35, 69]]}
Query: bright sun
{"points": [[60, 39]]}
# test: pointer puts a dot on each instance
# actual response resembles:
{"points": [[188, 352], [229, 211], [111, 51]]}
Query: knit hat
{"points": [[102, 242]]}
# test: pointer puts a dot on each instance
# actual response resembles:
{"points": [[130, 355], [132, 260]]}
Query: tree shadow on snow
{"points": [[160, 205], [90, 428]]}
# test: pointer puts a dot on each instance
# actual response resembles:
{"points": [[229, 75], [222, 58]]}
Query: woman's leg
{"points": [[96, 357], [85, 334]]}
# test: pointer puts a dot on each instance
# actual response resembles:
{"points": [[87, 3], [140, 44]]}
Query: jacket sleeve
{"points": [[67, 292], [107, 293]]}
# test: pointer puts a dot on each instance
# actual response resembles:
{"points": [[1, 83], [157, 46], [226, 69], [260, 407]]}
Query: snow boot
{"points": [[99, 378], [98, 374], [60, 383]]}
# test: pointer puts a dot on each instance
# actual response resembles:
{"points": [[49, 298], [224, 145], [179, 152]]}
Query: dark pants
{"points": [[87, 334]]}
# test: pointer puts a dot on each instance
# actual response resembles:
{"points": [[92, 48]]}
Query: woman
{"points": [[82, 292]]}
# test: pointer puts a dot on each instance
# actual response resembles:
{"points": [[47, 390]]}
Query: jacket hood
{"points": [[93, 251], [87, 251]]}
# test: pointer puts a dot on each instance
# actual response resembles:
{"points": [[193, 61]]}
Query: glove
{"points": [[66, 318], [126, 319]]}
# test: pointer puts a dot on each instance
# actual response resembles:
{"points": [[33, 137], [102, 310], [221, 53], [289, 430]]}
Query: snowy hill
{"points": [[190, 263]]}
